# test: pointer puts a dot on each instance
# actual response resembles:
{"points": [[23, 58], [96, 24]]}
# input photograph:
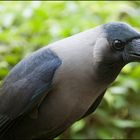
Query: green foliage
{"points": [[27, 26]]}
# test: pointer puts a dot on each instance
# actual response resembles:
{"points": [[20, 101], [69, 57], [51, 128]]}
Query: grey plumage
{"points": [[65, 81]]}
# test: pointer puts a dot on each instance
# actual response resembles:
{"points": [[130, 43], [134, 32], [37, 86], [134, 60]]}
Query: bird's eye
{"points": [[118, 45]]}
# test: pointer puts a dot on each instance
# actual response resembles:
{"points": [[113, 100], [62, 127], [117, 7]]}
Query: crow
{"points": [[49, 90]]}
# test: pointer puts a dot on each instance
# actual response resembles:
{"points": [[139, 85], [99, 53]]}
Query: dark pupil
{"points": [[119, 45]]}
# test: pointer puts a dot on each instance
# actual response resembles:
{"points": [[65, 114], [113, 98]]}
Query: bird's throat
{"points": [[106, 72]]}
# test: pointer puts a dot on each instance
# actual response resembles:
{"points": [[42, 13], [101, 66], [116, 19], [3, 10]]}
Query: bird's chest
{"points": [[76, 95], [69, 100]]}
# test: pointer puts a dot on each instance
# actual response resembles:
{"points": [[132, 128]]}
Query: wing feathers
{"points": [[18, 98]]}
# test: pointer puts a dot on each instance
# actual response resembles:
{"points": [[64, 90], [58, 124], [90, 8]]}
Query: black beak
{"points": [[132, 51]]}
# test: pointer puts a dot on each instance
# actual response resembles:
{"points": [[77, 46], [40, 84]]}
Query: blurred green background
{"points": [[27, 26]]}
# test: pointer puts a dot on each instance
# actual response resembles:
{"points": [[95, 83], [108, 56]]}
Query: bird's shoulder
{"points": [[28, 81], [38, 63], [26, 85]]}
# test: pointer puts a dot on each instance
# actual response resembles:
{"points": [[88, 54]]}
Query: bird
{"points": [[65, 81]]}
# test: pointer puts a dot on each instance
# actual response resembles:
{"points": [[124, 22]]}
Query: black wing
{"points": [[25, 86], [94, 105]]}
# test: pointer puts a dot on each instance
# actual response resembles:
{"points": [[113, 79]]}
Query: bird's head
{"points": [[118, 45]]}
